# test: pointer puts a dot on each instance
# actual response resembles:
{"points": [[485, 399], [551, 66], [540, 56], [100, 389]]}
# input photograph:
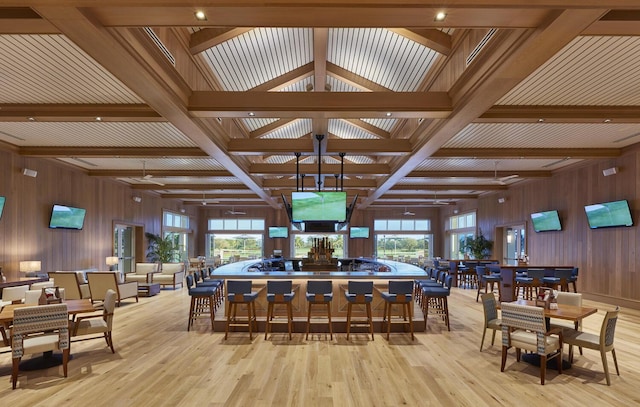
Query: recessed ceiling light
{"points": [[98, 119], [31, 119], [200, 15], [540, 120], [251, 114], [440, 16], [388, 114], [607, 120]]}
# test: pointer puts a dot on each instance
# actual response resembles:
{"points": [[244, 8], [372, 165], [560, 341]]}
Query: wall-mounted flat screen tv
{"points": [[608, 214], [67, 217], [278, 232], [359, 232], [545, 221], [319, 206], [2, 199]]}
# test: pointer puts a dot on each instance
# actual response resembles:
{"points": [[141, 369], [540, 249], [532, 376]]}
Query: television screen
{"points": [[319, 206], [359, 232], [545, 221], [276, 232], [320, 227], [608, 214], [2, 199], [66, 217]]}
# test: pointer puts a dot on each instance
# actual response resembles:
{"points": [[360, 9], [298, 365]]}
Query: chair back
{"points": [[69, 281], [40, 286], [536, 274], [523, 317], [490, 307], [239, 286], [401, 287], [144, 268], [189, 279], [568, 298], [480, 271], [40, 318], [319, 286], [448, 281], [360, 287], [14, 294], [279, 286], [109, 307], [608, 330], [100, 282], [31, 297]]}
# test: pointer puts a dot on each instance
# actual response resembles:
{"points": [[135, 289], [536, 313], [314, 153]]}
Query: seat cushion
{"points": [[286, 296], [90, 326], [326, 297], [528, 341], [247, 297], [436, 291], [353, 298], [202, 291], [41, 343], [495, 324], [579, 338], [394, 297]]}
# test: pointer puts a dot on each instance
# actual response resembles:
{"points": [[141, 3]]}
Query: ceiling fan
{"points": [[501, 180], [407, 213], [232, 211], [437, 201], [145, 178]]}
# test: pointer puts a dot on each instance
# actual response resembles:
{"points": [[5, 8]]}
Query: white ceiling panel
{"points": [[381, 56], [259, 55], [347, 130], [255, 124], [481, 164], [95, 134], [51, 69], [293, 130], [590, 70], [149, 163], [545, 135]]}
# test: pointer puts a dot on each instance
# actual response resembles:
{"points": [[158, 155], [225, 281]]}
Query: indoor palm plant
{"points": [[160, 249], [477, 246]]}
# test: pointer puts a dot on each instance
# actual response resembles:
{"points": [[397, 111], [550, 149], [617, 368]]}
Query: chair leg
{"points": [[504, 358], [446, 312], [387, 307], [615, 361], [331, 326], [249, 319], [191, 309], [370, 319], [409, 305], [14, 372], [289, 317], [493, 337], [484, 332], [212, 310], [348, 320], [605, 365], [229, 312], [543, 368], [65, 360], [308, 319]]}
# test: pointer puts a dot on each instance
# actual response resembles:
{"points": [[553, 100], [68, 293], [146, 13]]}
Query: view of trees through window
{"points": [[403, 247], [303, 243], [241, 246]]}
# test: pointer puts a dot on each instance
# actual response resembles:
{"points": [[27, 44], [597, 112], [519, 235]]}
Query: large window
{"points": [[407, 240], [459, 227], [176, 226], [235, 239], [302, 243]]}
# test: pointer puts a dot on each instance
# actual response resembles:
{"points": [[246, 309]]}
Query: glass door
{"points": [[124, 247], [514, 244]]}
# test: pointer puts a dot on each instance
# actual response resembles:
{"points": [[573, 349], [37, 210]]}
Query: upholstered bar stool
{"points": [[488, 281], [435, 298], [239, 293], [530, 283], [202, 302], [279, 292], [359, 292], [560, 279], [319, 292], [399, 294]]}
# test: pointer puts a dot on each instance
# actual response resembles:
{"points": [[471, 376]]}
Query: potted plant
{"points": [[161, 250], [479, 246]]}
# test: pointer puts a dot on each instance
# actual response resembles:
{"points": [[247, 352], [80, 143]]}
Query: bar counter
{"points": [[397, 271]]}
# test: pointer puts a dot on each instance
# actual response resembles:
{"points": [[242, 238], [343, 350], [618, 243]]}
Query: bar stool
{"points": [[202, 302], [436, 297], [239, 292], [359, 292], [560, 279], [279, 292], [399, 294], [487, 280], [319, 292], [530, 283]]}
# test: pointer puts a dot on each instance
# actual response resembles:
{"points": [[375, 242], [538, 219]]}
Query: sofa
{"points": [[142, 273], [170, 274], [101, 281]]}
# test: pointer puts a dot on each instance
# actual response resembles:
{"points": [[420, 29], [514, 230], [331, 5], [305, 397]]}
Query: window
{"points": [[403, 240], [459, 227], [409, 225], [246, 243], [302, 243], [177, 226]]}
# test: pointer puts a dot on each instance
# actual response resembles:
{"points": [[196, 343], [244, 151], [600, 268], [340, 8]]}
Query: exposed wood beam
{"points": [[478, 174], [270, 128], [210, 37], [512, 56], [214, 196], [429, 197], [320, 104], [369, 128], [112, 152], [158, 173], [306, 146], [320, 38], [309, 169], [286, 79], [528, 152], [354, 80], [398, 189], [616, 22], [146, 74], [328, 14], [290, 183], [194, 187], [23, 20], [430, 38], [560, 114], [78, 112]]}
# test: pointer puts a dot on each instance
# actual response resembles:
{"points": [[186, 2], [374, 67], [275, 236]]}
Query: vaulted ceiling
{"points": [[258, 99]]}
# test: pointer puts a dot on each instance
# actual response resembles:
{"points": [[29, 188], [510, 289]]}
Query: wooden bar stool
{"points": [[239, 293], [359, 292], [279, 292], [399, 294], [319, 292], [435, 298], [202, 302]]}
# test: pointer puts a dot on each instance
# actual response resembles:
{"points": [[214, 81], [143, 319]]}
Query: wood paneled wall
{"points": [[24, 232]]}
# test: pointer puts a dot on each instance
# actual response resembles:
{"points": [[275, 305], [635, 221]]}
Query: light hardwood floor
{"points": [[158, 363]]}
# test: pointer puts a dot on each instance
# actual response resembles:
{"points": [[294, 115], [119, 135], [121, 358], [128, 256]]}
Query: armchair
{"points": [[101, 282], [142, 273], [170, 274], [73, 283], [97, 324], [38, 329]]}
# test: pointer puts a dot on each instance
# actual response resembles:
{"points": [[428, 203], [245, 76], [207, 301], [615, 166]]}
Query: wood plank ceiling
{"points": [[414, 111]]}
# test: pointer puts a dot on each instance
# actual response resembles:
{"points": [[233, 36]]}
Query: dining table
{"points": [[47, 360]]}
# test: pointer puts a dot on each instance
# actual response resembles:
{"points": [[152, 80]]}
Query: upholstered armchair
{"points": [[102, 281], [73, 283], [170, 274], [142, 273], [97, 324]]}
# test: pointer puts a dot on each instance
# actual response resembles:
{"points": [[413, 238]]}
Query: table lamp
{"points": [[30, 268], [111, 262]]}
